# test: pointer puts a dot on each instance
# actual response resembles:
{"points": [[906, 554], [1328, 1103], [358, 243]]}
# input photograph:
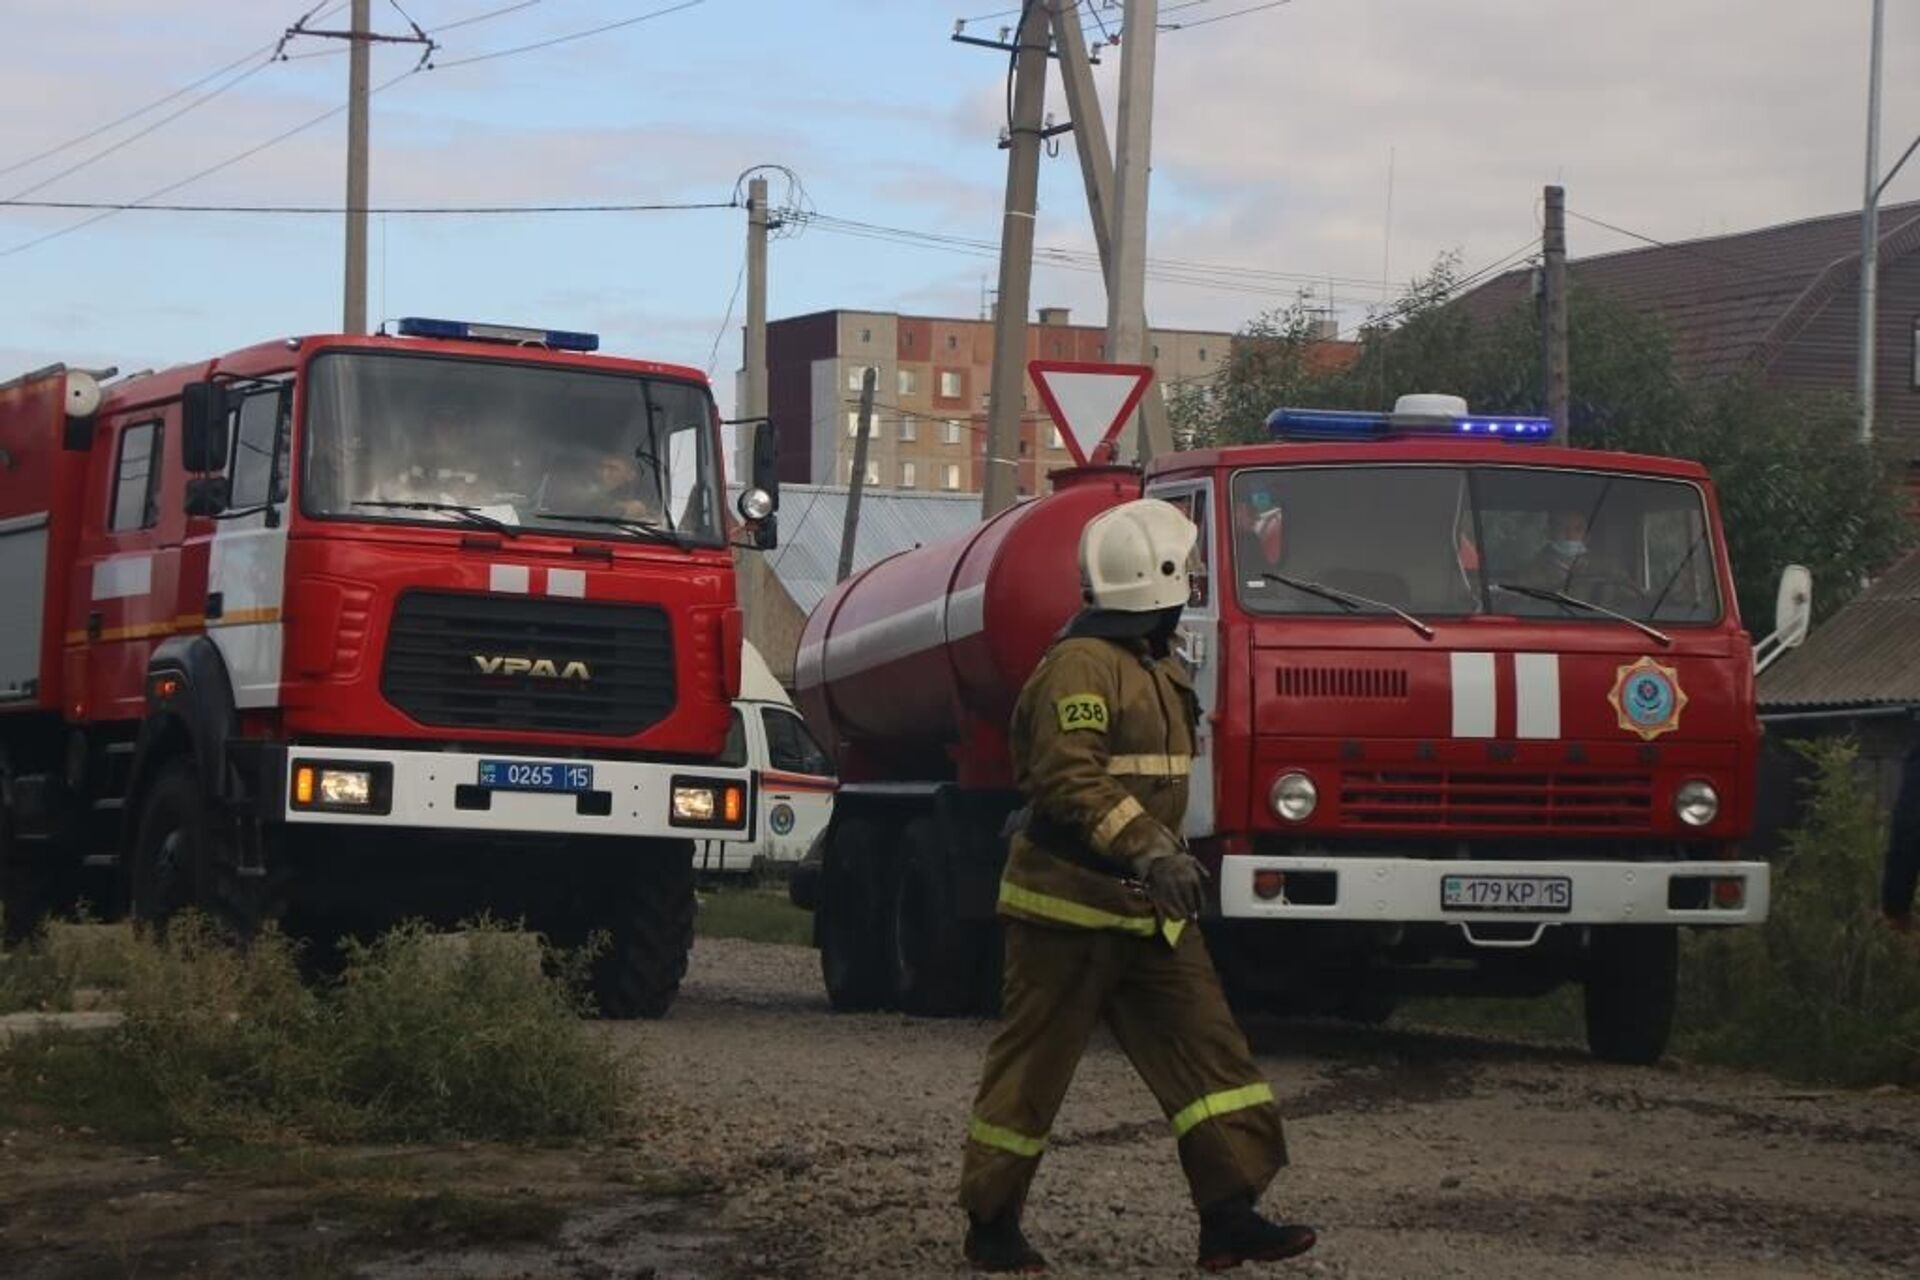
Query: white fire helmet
{"points": [[1136, 557]]}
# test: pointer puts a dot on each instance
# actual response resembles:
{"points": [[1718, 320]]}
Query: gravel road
{"points": [[834, 1142]]}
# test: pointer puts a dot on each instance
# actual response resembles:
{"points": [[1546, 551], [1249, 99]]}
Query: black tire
{"points": [[1368, 1002], [1632, 982], [649, 920], [849, 927], [180, 861], [933, 952], [23, 899]]}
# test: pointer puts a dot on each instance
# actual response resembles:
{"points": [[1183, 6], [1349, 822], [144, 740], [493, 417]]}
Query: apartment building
{"points": [[933, 375]]}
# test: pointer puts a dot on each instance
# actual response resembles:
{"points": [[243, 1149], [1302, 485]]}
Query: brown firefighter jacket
{"points": [[1102, 744]]}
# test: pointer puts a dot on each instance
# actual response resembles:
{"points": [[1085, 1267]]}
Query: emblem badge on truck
{"points": [[1648, 698], [540, 668]]}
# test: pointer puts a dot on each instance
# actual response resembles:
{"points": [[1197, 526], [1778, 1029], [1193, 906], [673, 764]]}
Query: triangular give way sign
{"points": [[1090, 402]]}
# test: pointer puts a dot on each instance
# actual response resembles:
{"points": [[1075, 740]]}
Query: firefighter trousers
{"points": [[1164, 1005]]}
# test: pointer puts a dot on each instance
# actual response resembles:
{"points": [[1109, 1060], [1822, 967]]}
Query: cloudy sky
{"points": [[1276, 129]]}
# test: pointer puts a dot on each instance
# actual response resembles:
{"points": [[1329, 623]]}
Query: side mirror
{"points": [[766, 461], [208, 495], [1793, 606], [204, 410]]}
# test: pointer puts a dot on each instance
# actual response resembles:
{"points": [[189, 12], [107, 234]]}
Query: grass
{"points": [[756, 913], [422, 1037]]}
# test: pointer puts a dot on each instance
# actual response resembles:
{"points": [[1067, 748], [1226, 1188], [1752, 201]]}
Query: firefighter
{"points": [[1099, 904]]}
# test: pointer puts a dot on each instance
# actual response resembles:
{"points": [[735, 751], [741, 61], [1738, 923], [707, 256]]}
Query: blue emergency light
{"points": [[553, 339], [1346, 424]]}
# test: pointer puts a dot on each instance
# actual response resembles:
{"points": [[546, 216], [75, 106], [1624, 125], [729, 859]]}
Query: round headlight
{"points": [[755, 504], [1294, 797], [1696, 803]]}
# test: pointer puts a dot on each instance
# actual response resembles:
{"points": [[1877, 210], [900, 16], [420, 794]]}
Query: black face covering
{"points": [[1155, 627]]}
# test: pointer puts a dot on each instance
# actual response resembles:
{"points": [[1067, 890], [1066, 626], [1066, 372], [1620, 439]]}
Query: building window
{"points": [[853, 426], [857, 377], [873, 472], [906, 475], [909, 430], [950, 384], [909, 382], [1053, 439], [951, 479], [1203, 355], [136, 482], [951, 433], [953, 343], [866, 336], [1156, 351]]}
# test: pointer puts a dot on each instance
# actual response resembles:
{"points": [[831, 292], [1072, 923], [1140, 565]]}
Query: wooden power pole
{"points": [[359, 62], [1553, 310], [857, 479]]}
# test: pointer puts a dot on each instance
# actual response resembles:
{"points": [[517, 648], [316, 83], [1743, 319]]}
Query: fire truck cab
{"points": [[337, 629]]}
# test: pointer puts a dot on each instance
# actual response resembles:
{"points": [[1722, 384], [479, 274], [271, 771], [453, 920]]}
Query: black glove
{"points": [[1174, 877]]}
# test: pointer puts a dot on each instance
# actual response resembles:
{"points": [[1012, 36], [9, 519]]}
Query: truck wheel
{"points": [[650, 919], [23, 902], [1631, 986], [178, 863], [847, 925], [933, 959]]}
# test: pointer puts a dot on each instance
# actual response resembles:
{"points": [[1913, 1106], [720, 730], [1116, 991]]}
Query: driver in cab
{"points": [[608, 485], [444, 468], [1567, 562]]}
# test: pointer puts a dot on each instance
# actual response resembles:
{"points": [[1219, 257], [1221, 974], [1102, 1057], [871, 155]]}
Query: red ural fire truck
{"points": [[1479, 718], [342, 629]]}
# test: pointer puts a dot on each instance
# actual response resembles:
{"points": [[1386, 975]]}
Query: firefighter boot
{"points": [[1232, 1233], [996, 1244]]}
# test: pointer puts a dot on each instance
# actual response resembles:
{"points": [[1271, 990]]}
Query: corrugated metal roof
{"points": [[1868, 654], [1731, 301], [891, 521]]}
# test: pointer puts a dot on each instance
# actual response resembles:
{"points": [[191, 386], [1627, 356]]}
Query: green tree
{"points": [[1794, 483]]}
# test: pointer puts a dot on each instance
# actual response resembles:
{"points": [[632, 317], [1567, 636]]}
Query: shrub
{"points": [[1823, 990], [424, 1036]]}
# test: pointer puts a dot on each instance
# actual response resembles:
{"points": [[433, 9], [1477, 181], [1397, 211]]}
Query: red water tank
{"points": [[911, 667]]}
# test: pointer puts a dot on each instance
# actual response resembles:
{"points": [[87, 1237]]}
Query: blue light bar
{"points": [[1325, 424], [1342, 424], [465, 330]]}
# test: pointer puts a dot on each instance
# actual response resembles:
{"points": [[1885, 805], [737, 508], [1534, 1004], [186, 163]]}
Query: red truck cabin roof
{"points": [[1419, 449], [282, 355]]}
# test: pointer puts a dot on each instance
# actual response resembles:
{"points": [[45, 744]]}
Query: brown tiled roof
{"points": [[1731, 301], [1868, 654]]}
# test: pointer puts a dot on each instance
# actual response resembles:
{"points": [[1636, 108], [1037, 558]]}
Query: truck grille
{"points": [[1494, 800], [503, 662]]}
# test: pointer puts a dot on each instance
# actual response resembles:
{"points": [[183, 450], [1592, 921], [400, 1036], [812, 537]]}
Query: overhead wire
{"points": [[1683, 247], [549, 43]]}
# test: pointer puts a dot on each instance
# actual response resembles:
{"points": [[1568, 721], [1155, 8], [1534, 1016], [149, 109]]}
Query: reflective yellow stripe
{"points": [[1219, 1104], [1115, 822], [992, 1135], [1067, 911], [1150, 766]]}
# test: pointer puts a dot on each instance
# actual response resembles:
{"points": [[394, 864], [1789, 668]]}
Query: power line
{"points": [[1688, 249], [155, 105], [1223, 17], [572, 36], [726, 321], [450, 210]]}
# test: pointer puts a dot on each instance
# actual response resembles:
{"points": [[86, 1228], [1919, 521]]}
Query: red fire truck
{"points": [[1479, 719], [336, 630]]}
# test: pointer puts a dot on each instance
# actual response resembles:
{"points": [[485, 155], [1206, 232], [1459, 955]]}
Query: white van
{"points": [[793, 779]]}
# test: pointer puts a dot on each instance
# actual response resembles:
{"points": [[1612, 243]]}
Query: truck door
{"points": [[126, 590], [797, 788], [1198, 643], [246, 561]]}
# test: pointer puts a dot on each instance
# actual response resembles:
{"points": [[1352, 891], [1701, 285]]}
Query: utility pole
{"points": [[857, 481], [1007, 398], [1096, 170], [359, 59], [755, 390], [1553, 310], [1127, 280], [1870, 233]]}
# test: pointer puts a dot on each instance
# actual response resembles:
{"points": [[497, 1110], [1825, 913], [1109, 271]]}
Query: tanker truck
{"points": [[1478, 718]]}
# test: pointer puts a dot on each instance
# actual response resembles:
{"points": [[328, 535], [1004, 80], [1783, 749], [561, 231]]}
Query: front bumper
{"points": [[1409, 890], [438, 790]]}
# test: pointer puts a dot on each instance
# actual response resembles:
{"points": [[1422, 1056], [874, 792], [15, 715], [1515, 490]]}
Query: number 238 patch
{"points": [[1082, 711]]}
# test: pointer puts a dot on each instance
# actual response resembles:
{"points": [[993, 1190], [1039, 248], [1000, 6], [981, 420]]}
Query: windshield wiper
{"points": [[472, 515], [1350, 601], [638, 528], [1575, 602]]}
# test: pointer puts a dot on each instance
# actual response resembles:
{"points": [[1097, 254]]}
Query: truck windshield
{"points": [[438, 440], [1443, 541]]}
